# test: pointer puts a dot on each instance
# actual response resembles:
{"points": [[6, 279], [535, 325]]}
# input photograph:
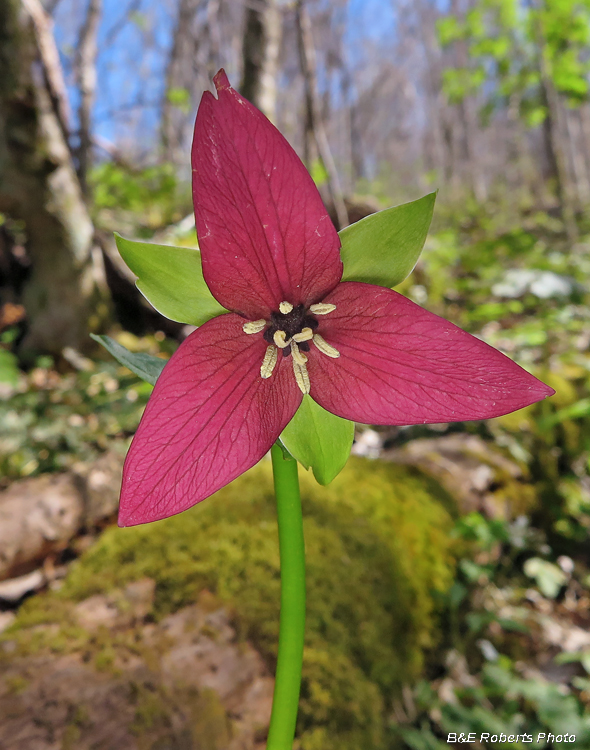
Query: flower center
{"points": [[288, 325], [291, 329]]}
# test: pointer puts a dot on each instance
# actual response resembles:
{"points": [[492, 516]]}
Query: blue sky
{"points": [[131, 66]]}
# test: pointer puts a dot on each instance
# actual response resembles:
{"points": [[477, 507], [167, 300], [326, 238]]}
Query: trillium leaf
{"points": [[171, 279], [144, 365], [319, 440], [383, 248]]}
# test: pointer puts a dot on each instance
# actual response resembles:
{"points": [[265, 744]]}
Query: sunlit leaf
{"points": [[383, 248], [318, 440], [171, 279]]}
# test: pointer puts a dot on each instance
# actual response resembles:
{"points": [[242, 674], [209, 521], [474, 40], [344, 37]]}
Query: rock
{"points": [[39, 516], [15, 588], [186, 682], [476, 474], [122, 608], [100, 485]]}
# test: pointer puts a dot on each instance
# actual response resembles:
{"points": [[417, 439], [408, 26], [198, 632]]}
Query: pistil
{"points": [[280, 339], [305, 335], [298, 356]]}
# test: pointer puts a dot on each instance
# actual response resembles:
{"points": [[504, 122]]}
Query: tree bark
{"points": [[86, 78], [65, 294], [584, 119], [183, 49], [553, 131], [557, 154], [575, 137], [314, 124], [260, 52]]}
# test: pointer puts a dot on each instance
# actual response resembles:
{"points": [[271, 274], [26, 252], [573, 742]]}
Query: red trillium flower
{"points": [[270, 256]]}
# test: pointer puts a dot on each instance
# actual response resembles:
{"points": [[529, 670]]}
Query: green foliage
{"points": [[171, 279], [145, 366], [511, 44], [383, 248], [318, 172], [8, 367], [53, 420], [147, 199], [549, 577], [378, 550], [525, 292], [501, 702], [319, 440], [180, 98]]}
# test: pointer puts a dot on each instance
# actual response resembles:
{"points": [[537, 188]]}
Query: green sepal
{"points": [[171, 279], [383, 248], [318, 439], [144, 365]]}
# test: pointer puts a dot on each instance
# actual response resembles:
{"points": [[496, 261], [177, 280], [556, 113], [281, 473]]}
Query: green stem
{"points": [[292, 626]]}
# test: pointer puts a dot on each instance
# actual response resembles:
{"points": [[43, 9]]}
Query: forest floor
{"points": [[506, 632]]}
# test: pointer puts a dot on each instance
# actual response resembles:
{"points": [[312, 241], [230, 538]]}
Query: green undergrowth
{"points": [[379, 555]]}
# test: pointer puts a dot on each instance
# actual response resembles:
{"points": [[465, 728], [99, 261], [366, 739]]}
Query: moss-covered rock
{"points": [[378, 552]]}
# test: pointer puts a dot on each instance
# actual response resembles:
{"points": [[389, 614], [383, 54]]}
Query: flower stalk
{"points": [[292, 625]]}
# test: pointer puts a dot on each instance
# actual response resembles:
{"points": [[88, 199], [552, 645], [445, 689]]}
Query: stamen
{"points": [[324, 347], [285, 307], [269, 361], [253, 326], [322, 308], [301, 376], [280, 339], [298, 357], [305, 335]]}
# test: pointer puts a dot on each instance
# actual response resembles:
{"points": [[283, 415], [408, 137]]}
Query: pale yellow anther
{"points": [[298, 356], [301, 376], [280, 339], [324, 347], [305, 335], [322, 308], [253, 326], [285, 307], [269, 361]]}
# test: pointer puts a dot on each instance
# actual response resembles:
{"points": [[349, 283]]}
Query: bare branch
{"points": [[85, 70], [308, 67], [49, 56]]}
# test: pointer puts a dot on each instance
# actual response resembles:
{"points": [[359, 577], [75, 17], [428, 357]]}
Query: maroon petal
{"points": [[264, 233], [400, 364], [210, 418]]}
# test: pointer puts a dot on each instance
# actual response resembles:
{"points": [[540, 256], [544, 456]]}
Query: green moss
{"points": [[378, 551]]}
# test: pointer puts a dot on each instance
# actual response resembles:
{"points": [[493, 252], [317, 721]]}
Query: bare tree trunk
{"points": [[468, 116], [64, 295], [575, 137], [313, 110], [260, 52], [584, 121], [553, 131], [213, 61], [85, 68], [183, 50], [557, 154]]}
